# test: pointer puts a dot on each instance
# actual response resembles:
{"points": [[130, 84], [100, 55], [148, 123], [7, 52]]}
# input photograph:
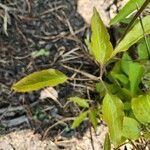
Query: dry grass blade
{"points": [[5, 16], [92, 77]]}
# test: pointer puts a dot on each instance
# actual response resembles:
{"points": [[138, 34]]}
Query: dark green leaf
{"points": [[127, 106], [40, 79], [80, 101], [124, 94], [131, 128], [113, 114], [141, 108], [79, 119], [101, 47]]}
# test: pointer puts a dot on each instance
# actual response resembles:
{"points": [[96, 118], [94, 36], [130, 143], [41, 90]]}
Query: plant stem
{"points": [[102, 68]]}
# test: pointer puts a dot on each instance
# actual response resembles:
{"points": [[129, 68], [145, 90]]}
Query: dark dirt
{"points": [[53, 25]]}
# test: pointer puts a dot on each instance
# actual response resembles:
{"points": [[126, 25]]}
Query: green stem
{"points": [[102, 68]]}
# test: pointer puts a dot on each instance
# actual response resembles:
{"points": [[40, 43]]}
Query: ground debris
{"points": [[25, 140]]}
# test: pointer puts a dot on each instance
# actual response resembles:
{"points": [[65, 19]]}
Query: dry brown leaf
{"points": [[49, 92]]}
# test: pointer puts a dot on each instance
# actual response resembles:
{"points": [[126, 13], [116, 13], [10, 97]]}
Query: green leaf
{"points": [[92, 118], [107, 143], [79, 119], [80, 101], [147, 135], [131, 128], [120, 77], [127, 106], [142, 49], [101, 47], [135, 34], [125, 62], [141, 108], [126, 10], [117, 67], [124, 94], [40, 79], [113, 114], [136, 72]]}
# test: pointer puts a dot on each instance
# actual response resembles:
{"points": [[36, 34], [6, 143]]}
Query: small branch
{"points": [[92, 77], [92, 141]]}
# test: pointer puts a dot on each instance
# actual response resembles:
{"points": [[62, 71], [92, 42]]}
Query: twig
{"points": [[51, 10], [6, 16], [82, 86], [55, 124], [92, 141], [92, 77]]}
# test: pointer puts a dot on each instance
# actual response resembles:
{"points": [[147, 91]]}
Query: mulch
{"points": [[27, 26]]}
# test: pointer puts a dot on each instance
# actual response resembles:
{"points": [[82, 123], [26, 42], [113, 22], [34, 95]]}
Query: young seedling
{"points": [[125, 106]]}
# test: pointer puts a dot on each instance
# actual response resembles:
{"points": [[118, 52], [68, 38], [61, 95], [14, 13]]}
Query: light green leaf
{"points": [[117, 67], [79, 119], [41, 52], [113, 114], [126, 10], [101, 47], [80, 101], [141, 108], [93, 118], [107, 144], [136, 72], [40, 79], [135, 34], [131, 128]]}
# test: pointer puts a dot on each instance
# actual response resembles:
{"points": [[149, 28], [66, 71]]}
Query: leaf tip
{"points": [[94, 10]]}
